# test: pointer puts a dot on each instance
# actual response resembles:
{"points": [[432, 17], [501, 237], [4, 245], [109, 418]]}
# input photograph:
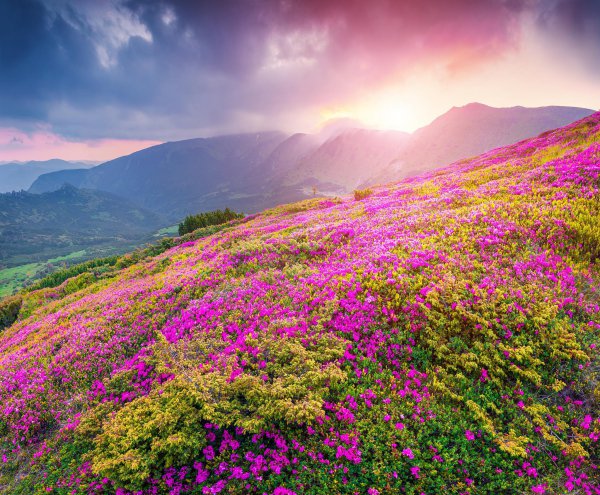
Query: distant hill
{"points": [[347, 159], [250, 172], [35, 227], [466, 131], [17, 176]]}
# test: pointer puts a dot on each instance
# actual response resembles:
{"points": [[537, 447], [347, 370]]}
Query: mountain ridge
{"points": [[250, 172], [16, 176], [443, 141], [34, 227]]}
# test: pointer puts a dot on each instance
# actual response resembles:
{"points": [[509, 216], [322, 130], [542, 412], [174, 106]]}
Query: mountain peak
{"points": [[475, 105], [333, 127]]}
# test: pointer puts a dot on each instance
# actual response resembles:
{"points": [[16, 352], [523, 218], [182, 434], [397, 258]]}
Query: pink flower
{"points": [[415, 471], [532, 472], [469, 435], [585, 424], [209, 453], [408, 453], [399, 426], [538, 488], [484, 375], [280, 490], [345, 415], [202, 475]]}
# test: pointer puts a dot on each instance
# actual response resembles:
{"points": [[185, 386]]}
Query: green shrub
{"points": [[79, 282], [57, 278], [9, 310], [215, 217]]}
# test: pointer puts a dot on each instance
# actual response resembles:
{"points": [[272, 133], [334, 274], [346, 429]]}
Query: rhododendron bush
{"points": [[438, 335]]}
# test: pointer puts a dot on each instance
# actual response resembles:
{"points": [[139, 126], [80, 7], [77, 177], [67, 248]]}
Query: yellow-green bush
{"points": [[165, 428], [362, 194]]}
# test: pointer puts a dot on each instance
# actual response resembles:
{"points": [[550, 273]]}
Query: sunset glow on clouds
{"points": [[528, 76], [101, 77], [16, 145]]}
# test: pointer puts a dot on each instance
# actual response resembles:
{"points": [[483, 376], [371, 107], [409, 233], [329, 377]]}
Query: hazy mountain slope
{"points": [[20, 176], [286, 156], [245, 172], [438, 336], [180, 177], [40, 226], [250, 172], [348, 159], [463, 132]]}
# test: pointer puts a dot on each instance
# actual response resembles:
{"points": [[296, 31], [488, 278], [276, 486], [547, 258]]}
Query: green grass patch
{"points": [[69, 257], [168, 231], [12, 279]]}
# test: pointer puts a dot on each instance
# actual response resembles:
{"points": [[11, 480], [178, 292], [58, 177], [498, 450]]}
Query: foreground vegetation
{"points": [[437, 335]]}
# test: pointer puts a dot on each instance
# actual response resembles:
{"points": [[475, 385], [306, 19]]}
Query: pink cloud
{"points": [[42, 144]]}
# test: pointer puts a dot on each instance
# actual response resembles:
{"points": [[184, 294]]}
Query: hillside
{"points": [[36, 227], [20, 176], [251, 172], [437, 336]]}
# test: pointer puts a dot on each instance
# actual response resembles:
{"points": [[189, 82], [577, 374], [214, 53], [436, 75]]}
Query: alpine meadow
{"points": [[299, 247], [435, 335]]}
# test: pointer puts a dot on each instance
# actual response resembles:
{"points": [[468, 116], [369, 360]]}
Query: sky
{"points": [[96, 79]]}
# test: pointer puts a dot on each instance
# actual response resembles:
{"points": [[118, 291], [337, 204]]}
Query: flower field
{"points": [[438, 335]]}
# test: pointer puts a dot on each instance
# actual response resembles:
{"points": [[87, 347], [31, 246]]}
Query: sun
{"points": [[386, 110], [335, 113]]}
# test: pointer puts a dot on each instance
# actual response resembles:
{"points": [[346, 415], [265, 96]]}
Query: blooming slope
{"points": [[437, 335]]}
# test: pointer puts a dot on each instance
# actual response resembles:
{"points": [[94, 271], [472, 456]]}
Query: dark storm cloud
{"points": [[39, 60], [47, 58], [164, 70], [578, 19]]}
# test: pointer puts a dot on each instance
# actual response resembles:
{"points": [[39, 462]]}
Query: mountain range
{"points": [[467, 131], [126, 200], [250, 172], [17, 176]]}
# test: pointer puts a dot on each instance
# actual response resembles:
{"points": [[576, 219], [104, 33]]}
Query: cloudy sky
{"points": [[95, 79]]}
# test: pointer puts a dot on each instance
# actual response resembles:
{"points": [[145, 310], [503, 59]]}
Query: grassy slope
{"points": [[12, 279], [436, 336], [21, 277]]}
